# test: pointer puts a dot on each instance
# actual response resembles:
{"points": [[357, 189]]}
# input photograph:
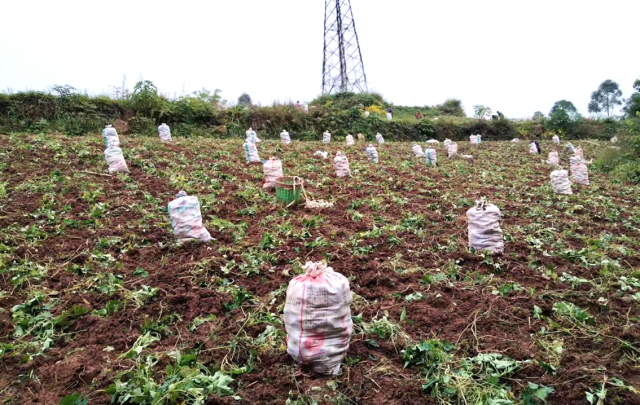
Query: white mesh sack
{"points": [[341, 164], [186, 219], [350, 140], [272, 170], [164, 132], [284, 137], [556, 139], [379, 138], [560, 182], [430, 157], [553, 158], [579, 170], [372, 153], [533, 148], [317, 318], [252, 137], [484, 227], [115, 160], [417, 150], [110, 136], [251, 152], [452, 149], [326, 137]]}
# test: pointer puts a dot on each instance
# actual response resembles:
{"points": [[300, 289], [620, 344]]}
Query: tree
{"points": [[538, 116], [563, 116], [566, 106], [606, 98], [146, 100], [480, 111], [244, 99], [451, 107], [633, 103], [205, 95]]}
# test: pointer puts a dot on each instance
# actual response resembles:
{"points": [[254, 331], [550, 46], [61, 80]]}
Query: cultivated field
{"points": [[98, 299]]}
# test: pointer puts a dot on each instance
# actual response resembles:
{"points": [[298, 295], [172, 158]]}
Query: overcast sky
{"points": [[516, 56]]}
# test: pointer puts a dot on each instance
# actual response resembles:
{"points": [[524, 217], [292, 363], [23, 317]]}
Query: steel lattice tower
{"points": [[342, 67]]}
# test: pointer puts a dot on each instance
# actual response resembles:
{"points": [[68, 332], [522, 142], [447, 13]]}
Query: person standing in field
{"points": [[418, 115], [298, 104], [389, 113]]}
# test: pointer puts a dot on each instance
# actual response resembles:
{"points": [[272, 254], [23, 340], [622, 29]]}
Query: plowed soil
{"points": [[396, 228]]}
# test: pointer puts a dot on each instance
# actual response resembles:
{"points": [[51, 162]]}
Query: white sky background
{"points": [[516, 56]]}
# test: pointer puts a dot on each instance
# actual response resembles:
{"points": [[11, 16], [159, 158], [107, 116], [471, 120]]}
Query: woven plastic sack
{"points": [[164, 132], [110, 136], [321, 154], [533, 148], [317, 318], [570, 148], [560, 182], [252, 137], [360, 137], [579, 170], [417, 150], [579, 152], [473, 139], [452, 149], [553, 158], [484, 228], [350, 140], [446, 142], [430, 157], [556, 139], [272, 170], [479, 138], [614, 139], [115, 160], [341, 164], [186, 219], [433, 141], [372, 153], [326, 137], [515, 140], [251, 152], [284, 137], [379, 138]]}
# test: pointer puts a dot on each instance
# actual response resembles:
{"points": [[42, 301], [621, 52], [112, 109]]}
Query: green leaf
{"points": [[403, 314], [73, 399], [139, 271]]}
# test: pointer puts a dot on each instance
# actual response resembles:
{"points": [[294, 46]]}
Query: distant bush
{"points": [[625, 161]]}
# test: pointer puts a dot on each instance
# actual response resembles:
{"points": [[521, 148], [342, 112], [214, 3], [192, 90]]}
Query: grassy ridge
{"points": [[201, 114]]}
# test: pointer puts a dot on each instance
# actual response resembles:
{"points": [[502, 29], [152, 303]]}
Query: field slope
{"points": [[97, 298]]}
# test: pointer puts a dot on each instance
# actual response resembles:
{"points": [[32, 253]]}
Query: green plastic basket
{"points": [[289, 190]]}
